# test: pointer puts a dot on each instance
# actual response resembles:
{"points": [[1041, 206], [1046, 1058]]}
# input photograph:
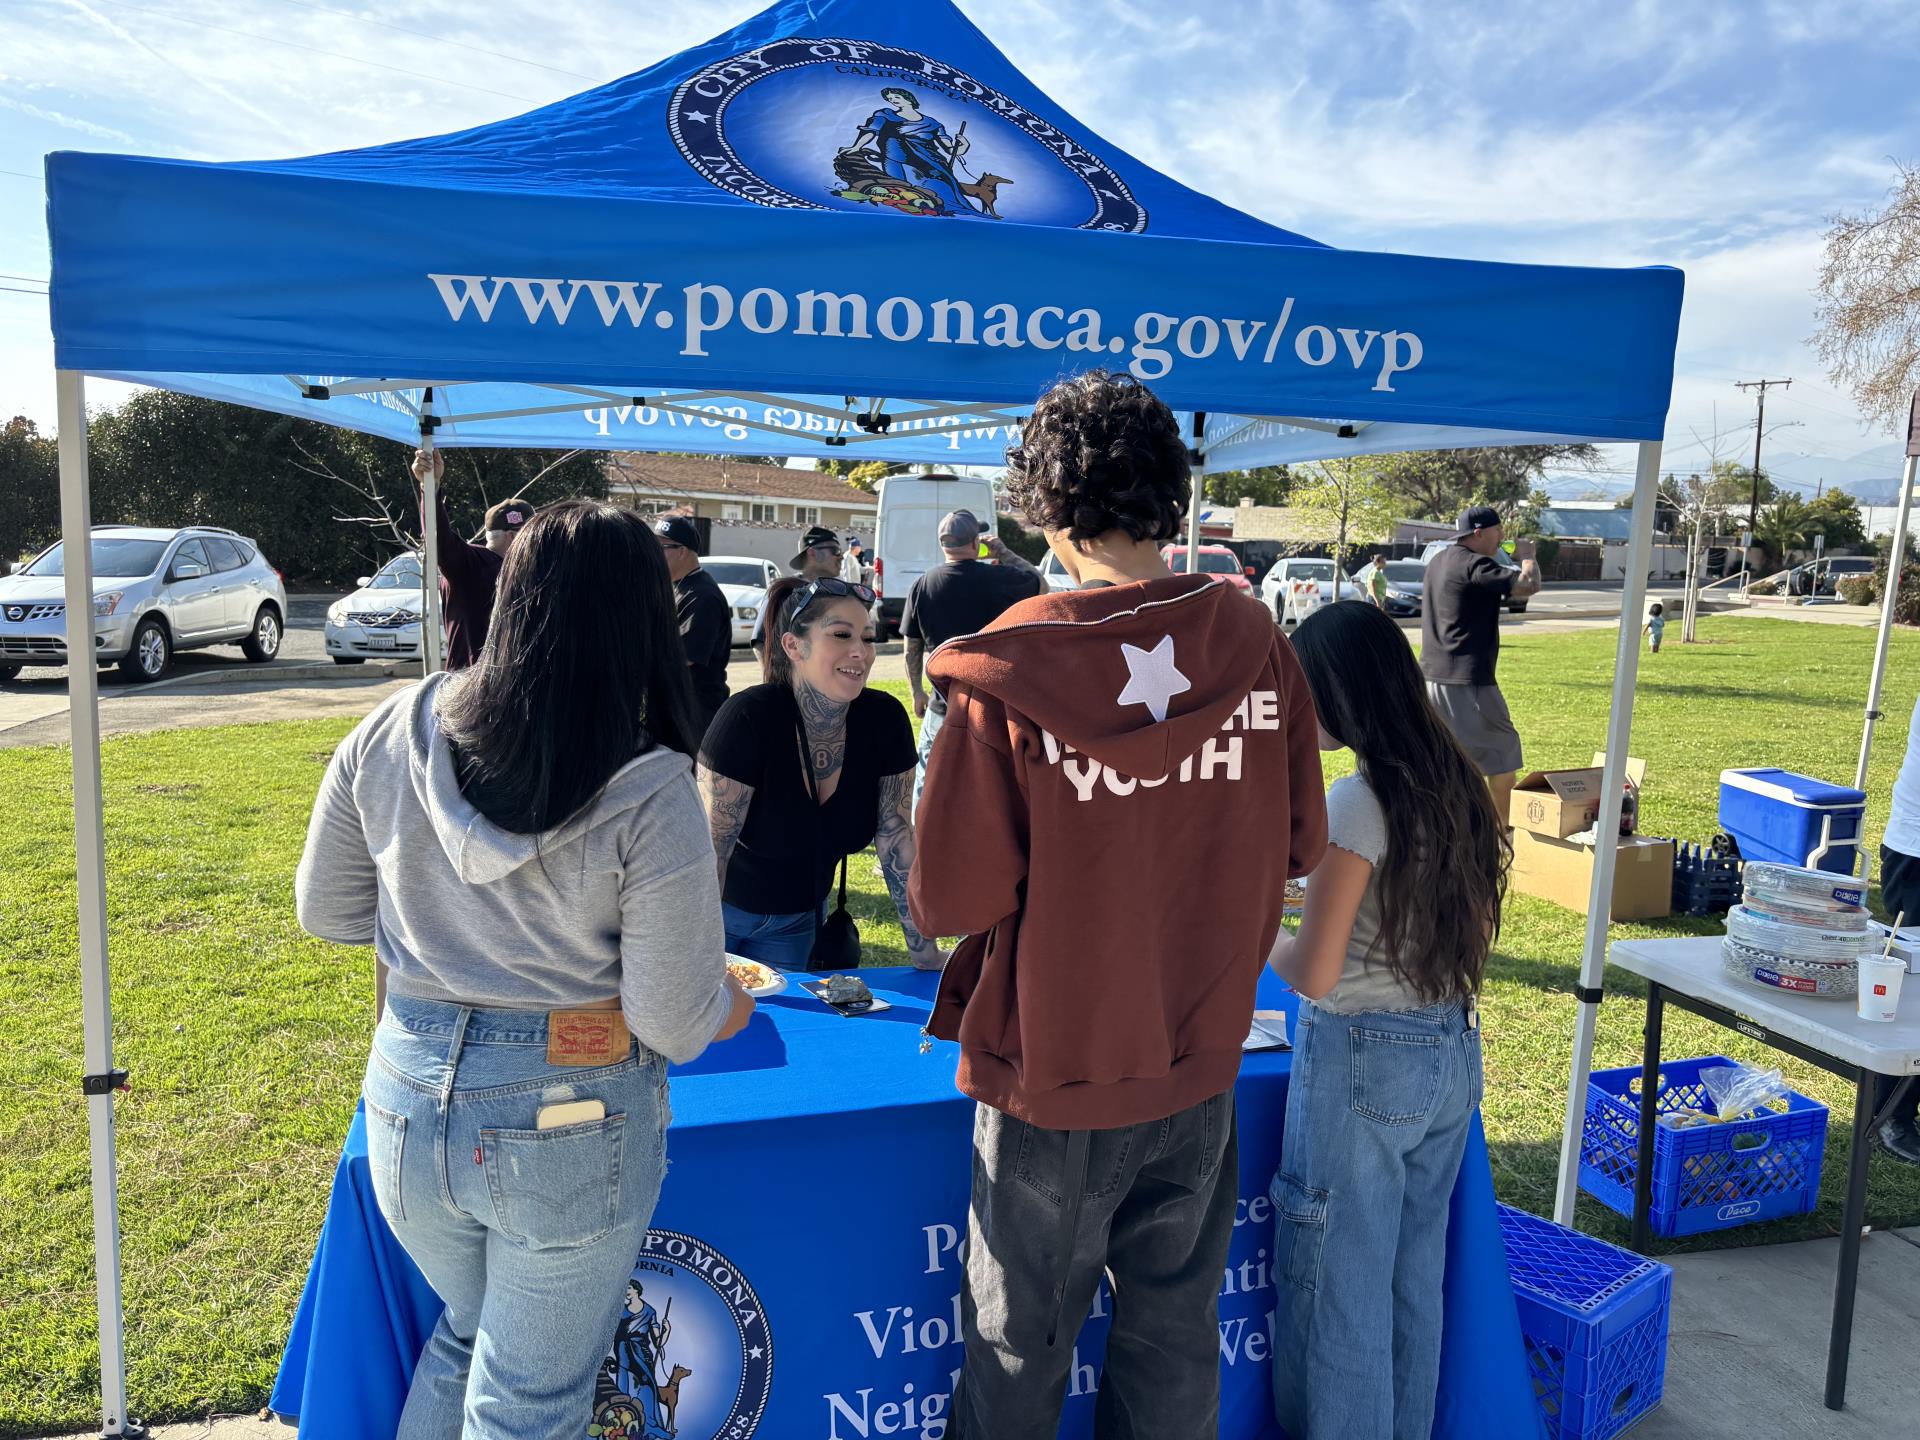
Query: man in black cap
{"points": [[1460, 644], [961, 597], [819, 559], [468, 573], [706, 621]]}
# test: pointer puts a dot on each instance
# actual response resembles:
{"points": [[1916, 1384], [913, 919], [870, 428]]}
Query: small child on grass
{"points": [[1656, 626]]}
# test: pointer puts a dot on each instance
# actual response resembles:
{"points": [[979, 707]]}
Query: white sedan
{"points": [[1329, 584], [743, 579], [380, 620]]}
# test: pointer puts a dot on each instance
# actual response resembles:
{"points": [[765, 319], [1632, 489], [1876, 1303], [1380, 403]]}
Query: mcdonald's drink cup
{"points": [[1880, 986]]}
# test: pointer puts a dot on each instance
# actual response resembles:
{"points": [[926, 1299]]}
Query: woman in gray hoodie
{"points": [[523, 846]]}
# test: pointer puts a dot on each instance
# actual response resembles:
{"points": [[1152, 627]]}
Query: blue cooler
{"points": [[1793, 819]]}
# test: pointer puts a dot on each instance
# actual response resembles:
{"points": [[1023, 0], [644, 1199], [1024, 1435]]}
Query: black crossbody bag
{"points": [[836, 939]]}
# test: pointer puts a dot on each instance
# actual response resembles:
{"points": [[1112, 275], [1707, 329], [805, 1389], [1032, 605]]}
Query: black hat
{"points": [[509, 515], [1478, 518], [680, 530], [960, 530], [815, 537]]}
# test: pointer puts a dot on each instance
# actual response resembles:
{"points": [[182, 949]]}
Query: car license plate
{"points": [[382, 642]]}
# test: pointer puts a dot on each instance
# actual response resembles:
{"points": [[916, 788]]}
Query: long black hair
{"points": [[582, 670], [1443, 879]]}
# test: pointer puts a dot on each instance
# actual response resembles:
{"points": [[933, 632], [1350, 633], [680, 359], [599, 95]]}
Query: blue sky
{"points": [[1718, 137]]}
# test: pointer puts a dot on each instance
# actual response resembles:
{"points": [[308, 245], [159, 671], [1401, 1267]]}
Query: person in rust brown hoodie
{"points": [[1128, 775]]}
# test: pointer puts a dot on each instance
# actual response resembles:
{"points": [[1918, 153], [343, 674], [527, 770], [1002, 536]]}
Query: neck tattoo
{"points": [[826, 725]]}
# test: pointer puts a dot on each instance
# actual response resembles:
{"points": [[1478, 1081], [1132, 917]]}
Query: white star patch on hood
{"points": [[1152, 679]]}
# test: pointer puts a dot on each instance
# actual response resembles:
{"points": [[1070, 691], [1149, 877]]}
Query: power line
{"points": [[19, 290], [444, 40], [23, 174], [317, 50], [30, 279]]}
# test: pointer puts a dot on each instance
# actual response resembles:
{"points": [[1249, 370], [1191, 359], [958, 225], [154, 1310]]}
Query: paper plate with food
{"points": [[756, 979]]}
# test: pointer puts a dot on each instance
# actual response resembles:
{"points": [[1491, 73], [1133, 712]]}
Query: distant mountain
{"points": [[1872, 476]]}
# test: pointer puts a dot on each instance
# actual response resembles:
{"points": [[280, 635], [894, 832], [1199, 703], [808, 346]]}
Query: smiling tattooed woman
{"points": [[804, 770]]}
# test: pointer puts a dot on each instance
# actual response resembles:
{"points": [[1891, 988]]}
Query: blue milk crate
{"points": [[1793, 819], [1707, 1177], [1595, 1320]]}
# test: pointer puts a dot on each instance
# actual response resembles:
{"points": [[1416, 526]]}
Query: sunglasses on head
{"points": [[833, 589]]}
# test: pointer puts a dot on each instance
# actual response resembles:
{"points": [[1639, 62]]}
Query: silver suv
{"points": [[155, 591]]}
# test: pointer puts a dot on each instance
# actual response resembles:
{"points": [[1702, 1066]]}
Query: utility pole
{"points": [[1759, 433]]}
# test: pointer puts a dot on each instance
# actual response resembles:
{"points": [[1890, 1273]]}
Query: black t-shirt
{"points": [[789, 848], [962, 598], [706, 634], [1460, 616]]}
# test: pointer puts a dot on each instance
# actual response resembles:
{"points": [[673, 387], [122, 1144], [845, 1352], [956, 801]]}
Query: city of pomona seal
{"points": [[692, 1355], [850, 125]]}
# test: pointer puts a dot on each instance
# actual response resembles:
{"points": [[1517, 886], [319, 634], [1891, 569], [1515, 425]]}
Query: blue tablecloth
{"points": [[808, 1238]]}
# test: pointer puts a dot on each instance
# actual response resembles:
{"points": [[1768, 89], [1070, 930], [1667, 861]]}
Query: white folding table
{"points": [[1828, 1033]]}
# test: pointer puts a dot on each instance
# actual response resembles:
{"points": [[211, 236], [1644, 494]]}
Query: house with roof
{"points": [[754, 509]]}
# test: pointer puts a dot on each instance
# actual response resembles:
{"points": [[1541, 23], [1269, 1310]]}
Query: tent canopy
{"points": [[839, 209]]}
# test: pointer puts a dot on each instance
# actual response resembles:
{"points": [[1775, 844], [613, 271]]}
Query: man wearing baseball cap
{"points": [[961, 597], [468, 573], [706, 623], [1460, 644], [818, 559]]}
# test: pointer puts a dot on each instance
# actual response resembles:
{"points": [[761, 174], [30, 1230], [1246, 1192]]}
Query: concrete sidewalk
{"points": [[1747, 1359]]}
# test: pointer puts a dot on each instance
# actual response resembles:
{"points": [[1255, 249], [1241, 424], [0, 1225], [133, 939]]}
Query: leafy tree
{"points": [[1869, 310], [1439, 484], [1836, 515], [30, 481], [1783, 526], [1264, 485], [1029, 545], [1352, 495], [861, 474]]}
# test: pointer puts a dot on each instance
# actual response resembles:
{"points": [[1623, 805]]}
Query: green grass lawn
{"points": [[246, 1039]]}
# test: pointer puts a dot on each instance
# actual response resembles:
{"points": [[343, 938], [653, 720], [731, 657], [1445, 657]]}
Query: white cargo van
{"points": [[906, 541]]}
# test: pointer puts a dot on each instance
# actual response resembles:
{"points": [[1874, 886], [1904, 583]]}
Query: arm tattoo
{"points": [[895, 847], [916, 660], [727, 802], [826, 722]]}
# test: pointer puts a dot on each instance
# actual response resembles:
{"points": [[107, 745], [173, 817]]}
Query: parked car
{"points": [[1514, 607], [1406, 584], [1297, 569], [1217, 563], [380, 620], [743, 579], [907, 534], [1055, 574], [1823, 576], [156, 591]]}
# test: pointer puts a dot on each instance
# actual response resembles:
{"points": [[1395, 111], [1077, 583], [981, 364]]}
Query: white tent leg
{"points": [[90, 866], [432, 638], [1199, 494], [1895, 566], [1593, 960]]}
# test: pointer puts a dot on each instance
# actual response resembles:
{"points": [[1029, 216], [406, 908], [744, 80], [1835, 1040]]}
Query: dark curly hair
{"points": [[1101, 452]]}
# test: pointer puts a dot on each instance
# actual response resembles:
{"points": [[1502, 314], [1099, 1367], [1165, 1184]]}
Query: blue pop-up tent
{"points": [[847, 227]]}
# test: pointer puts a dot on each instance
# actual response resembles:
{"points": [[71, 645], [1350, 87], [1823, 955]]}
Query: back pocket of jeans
{"points": [[386, 1145], [1396, 1075], [555, 1189], [1299, 1230]]}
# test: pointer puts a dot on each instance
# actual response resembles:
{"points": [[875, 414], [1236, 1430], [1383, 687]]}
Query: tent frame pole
{"points": [[1896, 568], [101, 1080], [432, 650], [1197, 462], [1593, 959]]}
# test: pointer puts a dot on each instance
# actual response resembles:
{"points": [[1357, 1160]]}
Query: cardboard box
{"points": [[1561, 870], [1557, 803]]}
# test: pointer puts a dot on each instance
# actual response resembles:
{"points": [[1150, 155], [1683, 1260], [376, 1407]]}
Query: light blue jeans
{"points": [[1377, 1118], [528, 1235], [930, 724], [782, 941]]}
